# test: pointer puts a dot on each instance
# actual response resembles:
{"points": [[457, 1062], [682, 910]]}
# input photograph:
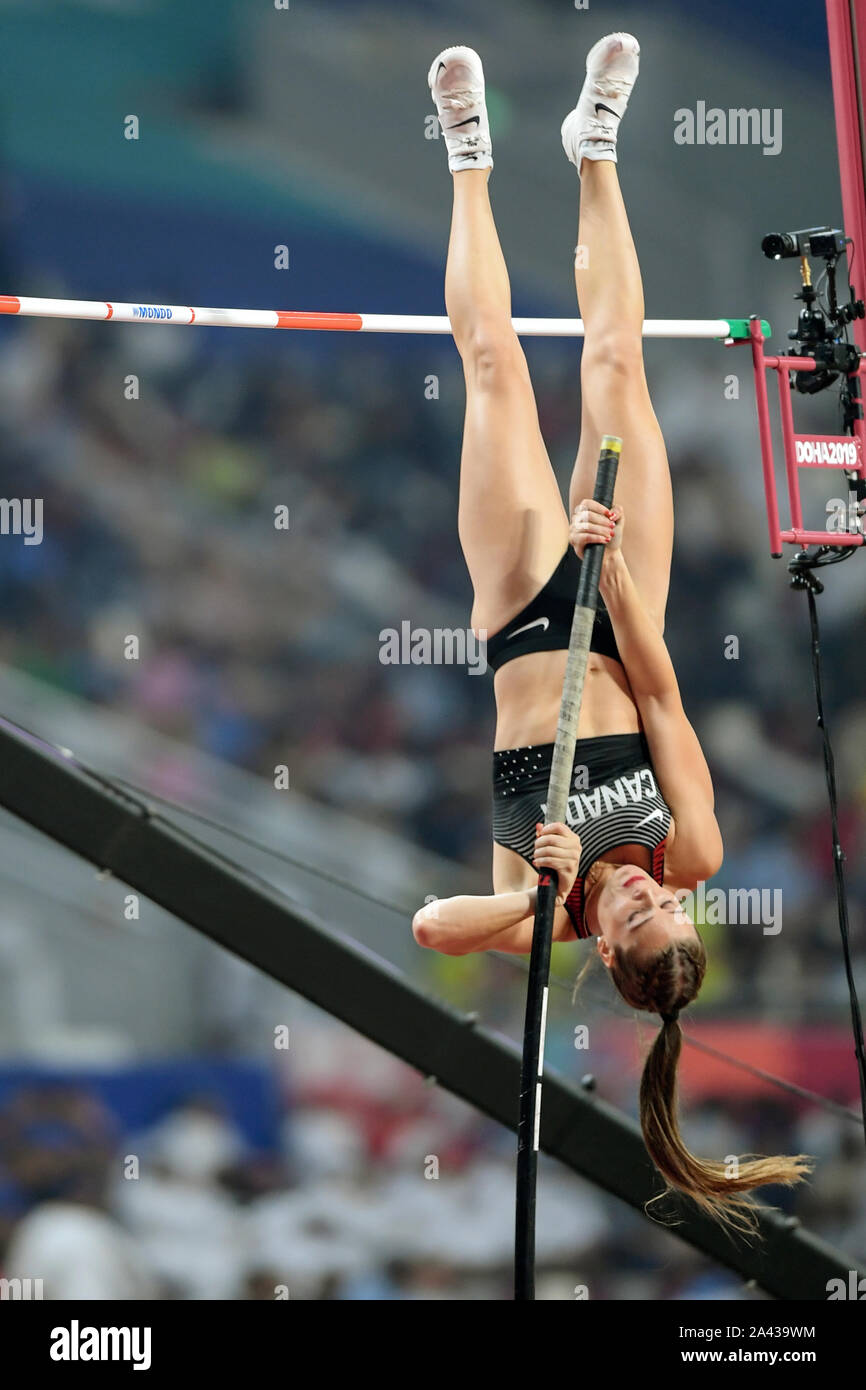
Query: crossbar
{"points": [[180, 315]]}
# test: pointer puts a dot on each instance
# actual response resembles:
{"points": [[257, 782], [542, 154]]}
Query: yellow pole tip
{"points": [[612, 443]]}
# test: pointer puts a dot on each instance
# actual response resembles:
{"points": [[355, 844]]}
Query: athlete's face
{"points": [[635, 912]]}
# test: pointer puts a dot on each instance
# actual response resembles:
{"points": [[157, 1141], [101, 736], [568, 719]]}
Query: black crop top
{"points": [[544, 625]]}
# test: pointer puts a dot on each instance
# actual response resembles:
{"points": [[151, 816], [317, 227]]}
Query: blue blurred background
{"points": [[153, 1142]]}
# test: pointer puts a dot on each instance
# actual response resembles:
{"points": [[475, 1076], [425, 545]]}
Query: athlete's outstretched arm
{"points": [[503, 921]]}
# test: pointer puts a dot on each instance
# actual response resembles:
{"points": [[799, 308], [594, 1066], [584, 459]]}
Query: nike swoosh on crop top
{"points": [[544, 625]]}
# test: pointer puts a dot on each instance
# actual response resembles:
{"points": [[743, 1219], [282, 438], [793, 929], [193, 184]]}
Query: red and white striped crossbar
{"points": [[726, 329]]}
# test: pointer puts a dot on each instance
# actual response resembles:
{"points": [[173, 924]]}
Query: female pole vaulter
{"points": [[642, 822]]}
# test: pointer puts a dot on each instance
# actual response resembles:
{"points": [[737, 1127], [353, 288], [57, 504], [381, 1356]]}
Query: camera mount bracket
{"points": [[841, 451]]}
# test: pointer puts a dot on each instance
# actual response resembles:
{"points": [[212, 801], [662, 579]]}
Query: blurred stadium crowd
{"points": [[261, 646], [338, 1208], [161, 456]]}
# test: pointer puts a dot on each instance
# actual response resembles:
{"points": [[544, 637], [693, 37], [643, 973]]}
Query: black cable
{"points": [[117, 787], [832, 1106], [278, 854], [802, 578]]}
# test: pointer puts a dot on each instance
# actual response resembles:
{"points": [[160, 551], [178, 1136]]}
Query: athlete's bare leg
{"points": [[615, 397], [513, 526]]}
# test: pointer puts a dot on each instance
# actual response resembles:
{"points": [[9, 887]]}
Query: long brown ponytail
{"points": [[665, 985]]}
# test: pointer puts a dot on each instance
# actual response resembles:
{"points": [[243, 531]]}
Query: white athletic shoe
{"points": [[456, 81], [590, 130]]}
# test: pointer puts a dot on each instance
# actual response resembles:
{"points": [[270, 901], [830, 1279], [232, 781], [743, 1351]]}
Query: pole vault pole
{"points": [[532, 1065]]}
